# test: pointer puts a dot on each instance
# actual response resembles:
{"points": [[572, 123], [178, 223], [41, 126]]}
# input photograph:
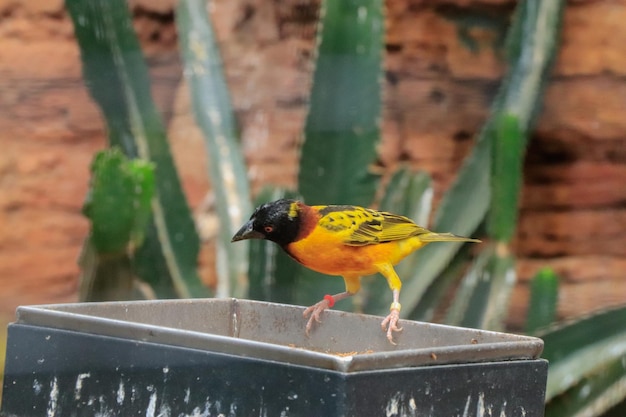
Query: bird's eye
{"points": [[268, 229]]}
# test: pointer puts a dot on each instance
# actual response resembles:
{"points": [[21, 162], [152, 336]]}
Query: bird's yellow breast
{"points": [[324, 251]]}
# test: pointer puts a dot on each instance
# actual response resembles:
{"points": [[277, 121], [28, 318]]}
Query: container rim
{"points": [[147, 321]]}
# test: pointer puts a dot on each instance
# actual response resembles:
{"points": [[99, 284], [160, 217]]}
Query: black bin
{"points": [[232, 358]]}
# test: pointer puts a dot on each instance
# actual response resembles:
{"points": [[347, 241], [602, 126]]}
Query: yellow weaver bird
{"points": [[348, 241]]}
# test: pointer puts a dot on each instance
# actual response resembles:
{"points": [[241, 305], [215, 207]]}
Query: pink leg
{"points": [[390, 323], [316, 309]]}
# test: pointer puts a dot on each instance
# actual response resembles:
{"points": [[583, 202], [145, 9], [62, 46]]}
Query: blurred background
{"points": [[442, 68]]}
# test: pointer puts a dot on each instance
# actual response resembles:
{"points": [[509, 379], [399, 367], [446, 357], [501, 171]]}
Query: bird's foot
{"points": [[315, 310], [390, 323]]}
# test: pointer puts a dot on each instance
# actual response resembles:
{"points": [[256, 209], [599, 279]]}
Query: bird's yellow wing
{"points": [[358, 226]]}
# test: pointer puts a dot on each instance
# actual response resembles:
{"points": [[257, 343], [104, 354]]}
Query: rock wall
{"points": [[442, 70]]}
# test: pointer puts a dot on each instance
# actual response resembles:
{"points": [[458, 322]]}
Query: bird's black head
{"points": [[277, 221]]}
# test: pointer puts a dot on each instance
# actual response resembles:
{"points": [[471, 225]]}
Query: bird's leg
{"points": [[390, 323], [353, 284], [316, 309]]}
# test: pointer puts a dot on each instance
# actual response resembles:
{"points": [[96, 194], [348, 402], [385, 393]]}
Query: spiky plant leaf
{"points": [[342, 126], [460, 212], [118, 207], [214, 115], [507, 156], [410, 194], [582, 347], [594, 394], [118, 203], [482, 300], [118, 80], [544, 294], [533, 40], [435, 295]]}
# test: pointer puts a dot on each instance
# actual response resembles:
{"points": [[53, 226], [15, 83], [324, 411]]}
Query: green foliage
{"points": [[337, 155], [482, 299], [118, 203], [118, 207], [435, 297], [491, 176], [410, 194], [507, 156], [544, 293], [594, 394], [214, 115], [461, 211], [107, 277], [118, 80], [587, 364], [342, 126]]}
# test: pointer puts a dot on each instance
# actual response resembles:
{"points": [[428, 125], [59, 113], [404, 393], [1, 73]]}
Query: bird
{"points": [[343, 240]]}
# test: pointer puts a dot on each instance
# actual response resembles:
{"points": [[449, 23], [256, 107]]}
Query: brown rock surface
{"points": [[49, 132], [438, 90]]}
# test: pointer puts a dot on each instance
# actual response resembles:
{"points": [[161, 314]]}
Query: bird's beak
{"points": [[247, 232]]}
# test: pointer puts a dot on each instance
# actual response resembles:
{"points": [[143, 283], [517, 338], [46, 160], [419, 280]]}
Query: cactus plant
{"points": [[587, 370], [339, 147], [118, 80], [487, 187], [544, 290], [118, 207], [342, 126], [214, 115]]}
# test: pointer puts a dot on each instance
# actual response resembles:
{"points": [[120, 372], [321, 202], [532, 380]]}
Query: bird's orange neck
{"points": [[309, 217]]}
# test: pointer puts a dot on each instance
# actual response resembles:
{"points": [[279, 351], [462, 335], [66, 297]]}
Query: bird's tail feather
{"points": [[445, 237]]}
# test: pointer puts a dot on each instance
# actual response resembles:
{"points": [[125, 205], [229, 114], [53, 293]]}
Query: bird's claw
{"points": [[315, 310], [390, 325]]}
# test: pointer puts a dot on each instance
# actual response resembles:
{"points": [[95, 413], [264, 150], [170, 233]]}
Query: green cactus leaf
{"points": [[118, 203], [544, 293], [118, 80], [583, 347], [507, 156], [461, 211], [118, 207], [410, 194], [594, 394], [533, 38], [342, 126], [214, 115], [433, 301], [482, 299]]}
